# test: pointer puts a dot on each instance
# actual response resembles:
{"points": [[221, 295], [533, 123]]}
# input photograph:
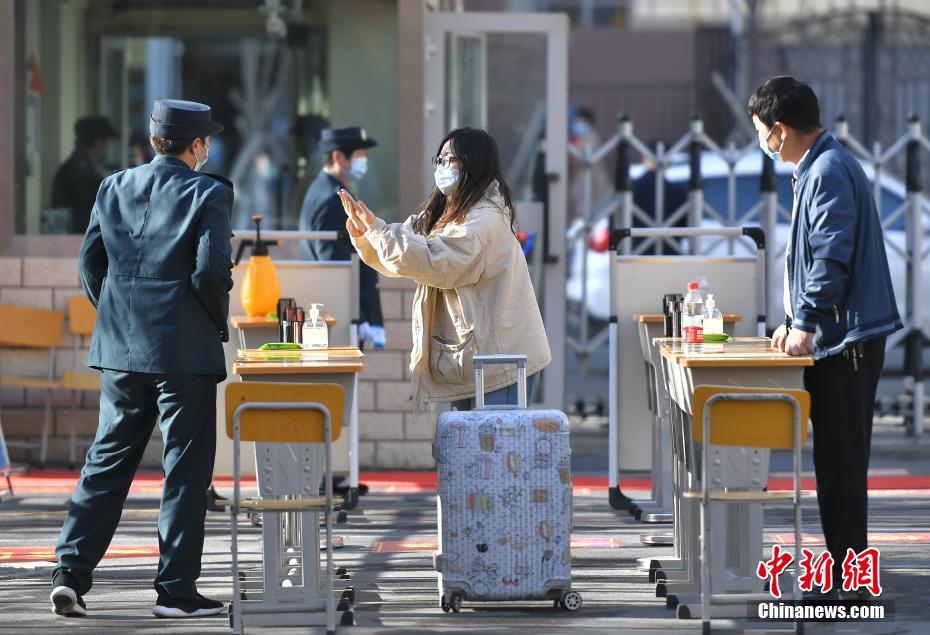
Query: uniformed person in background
{"points": [[156, 262], [77, 180], [345, 162]]}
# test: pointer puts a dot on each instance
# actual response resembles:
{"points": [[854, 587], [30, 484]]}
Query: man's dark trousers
{"points": [[130, 404], [842, 406]]}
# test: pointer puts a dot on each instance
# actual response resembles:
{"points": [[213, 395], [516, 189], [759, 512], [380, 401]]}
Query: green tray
{"points": [[280, 346]]}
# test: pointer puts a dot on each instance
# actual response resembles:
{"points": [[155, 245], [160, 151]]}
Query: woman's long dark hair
{"points": [[479, 165]]}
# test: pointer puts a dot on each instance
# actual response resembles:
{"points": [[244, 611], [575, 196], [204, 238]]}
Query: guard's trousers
{"points": [[130, 404], [842, 389]]}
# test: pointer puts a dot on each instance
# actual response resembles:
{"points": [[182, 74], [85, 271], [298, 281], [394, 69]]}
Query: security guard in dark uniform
{"points": [[156, 262], [345, 161], [77, 180]]}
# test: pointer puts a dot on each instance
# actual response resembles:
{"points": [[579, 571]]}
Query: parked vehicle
{"points": [[715, 175]]}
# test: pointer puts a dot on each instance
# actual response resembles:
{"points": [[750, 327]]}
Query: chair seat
{"points": [[74, 380], [743, 496], [29, 382], [276, 504]]}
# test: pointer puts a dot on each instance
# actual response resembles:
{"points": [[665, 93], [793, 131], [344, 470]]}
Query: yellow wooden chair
{"points": [[746, 417], [25, 327], [284, 413], [81, 318]]}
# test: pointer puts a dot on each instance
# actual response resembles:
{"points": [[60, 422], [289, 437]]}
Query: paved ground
{"points": [[396, 590]]}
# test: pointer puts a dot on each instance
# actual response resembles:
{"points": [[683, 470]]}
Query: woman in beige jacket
{"points": [[474, 295]]}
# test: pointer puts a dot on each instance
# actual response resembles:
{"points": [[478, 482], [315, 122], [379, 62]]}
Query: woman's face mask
{"points": [[447, 178]]}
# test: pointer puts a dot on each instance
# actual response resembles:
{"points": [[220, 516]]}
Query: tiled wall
{"points": [[44, 283], [389, 438]]}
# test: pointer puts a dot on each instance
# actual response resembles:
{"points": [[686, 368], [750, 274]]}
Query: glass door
{"points": [[507, 73]]}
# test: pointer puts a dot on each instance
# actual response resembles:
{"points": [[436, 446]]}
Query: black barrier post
{"points": [[768, 186], [913, 342], [622, 173], [695, 183]]}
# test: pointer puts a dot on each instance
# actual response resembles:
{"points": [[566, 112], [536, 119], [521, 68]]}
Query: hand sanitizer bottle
{"points": [[713, 319], [315, 333]]}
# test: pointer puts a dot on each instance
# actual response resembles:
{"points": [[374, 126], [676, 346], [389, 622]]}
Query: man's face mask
{"points": [[202, 162], [764, 144], [359, 168]]}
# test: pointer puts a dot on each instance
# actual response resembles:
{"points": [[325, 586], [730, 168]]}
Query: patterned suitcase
{"points": [[505, 501]]}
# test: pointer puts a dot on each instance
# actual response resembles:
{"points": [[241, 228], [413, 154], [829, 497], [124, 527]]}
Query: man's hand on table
{"points": [[794, 342], [779, 337], [799, 343]]}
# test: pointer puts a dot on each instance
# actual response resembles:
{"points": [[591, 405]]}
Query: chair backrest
{"points": [[26, 326], [81, 315], [284, 426], [763, 423]]}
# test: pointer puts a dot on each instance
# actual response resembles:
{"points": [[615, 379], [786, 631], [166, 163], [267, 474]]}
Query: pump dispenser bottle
{"points": [[315, 332]]}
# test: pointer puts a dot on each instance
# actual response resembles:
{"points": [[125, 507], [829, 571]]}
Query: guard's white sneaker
{"points": [[66, 601]]}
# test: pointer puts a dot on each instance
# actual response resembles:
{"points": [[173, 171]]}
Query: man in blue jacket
{"points": [[839, 303], [156, 262]]}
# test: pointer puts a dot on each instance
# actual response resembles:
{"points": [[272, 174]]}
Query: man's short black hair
{"points": [[788, 100], [328, 155]]}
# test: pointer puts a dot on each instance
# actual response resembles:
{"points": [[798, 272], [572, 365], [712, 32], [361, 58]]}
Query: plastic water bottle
{"points": [[315, 333], [692, 318], [713, 318]]}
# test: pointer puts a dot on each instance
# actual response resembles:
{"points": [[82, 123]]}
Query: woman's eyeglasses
{"points": [[445, 160]]}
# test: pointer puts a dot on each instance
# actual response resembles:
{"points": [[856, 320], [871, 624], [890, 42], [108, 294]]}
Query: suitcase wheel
{"points": [[571, 601], [456, 602], [443, 604]]}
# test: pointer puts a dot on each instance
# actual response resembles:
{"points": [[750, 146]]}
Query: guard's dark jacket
{"points": [[156, 262], [322, 211], [75, 186]]}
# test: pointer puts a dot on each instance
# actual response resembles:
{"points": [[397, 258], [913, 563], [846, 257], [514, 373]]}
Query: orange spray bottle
{"points": [[260, 286]]}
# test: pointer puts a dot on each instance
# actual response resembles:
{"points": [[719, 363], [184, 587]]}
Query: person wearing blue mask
{"points": [[345, 162], [584, 137], [838, 300], [156, 263]]}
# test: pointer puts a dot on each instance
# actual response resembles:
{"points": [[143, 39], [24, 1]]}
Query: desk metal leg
{"points": [[351, 497], [617, 499]]}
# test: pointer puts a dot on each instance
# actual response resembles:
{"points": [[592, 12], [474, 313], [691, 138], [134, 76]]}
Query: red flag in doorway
{"points": [[35, 79]]}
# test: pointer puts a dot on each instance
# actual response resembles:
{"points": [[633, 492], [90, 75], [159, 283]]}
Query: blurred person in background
{"points": [[838, 300], [584, 137], [140, 150], [76, 181], [345, 162]]}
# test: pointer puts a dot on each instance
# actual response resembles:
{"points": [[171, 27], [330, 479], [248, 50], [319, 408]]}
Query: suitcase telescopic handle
{"points": [[481, 361]]}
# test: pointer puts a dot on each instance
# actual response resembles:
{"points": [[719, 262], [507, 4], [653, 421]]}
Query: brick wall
{"points": [[46, 283], [389, 438]]}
